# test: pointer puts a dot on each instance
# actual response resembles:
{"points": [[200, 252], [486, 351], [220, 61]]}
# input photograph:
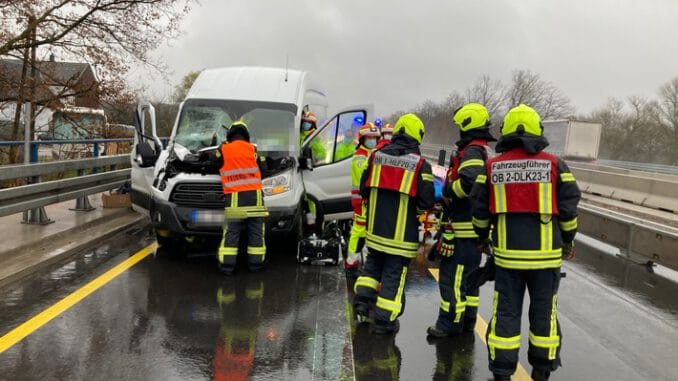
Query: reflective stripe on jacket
{"points": [[523, 183], [466, 165], [523, 238], [358, 165], [396, 184], [240, 171]]}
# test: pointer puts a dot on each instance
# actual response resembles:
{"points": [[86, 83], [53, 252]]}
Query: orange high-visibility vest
{"points": [[523, 183], [240, 171]]}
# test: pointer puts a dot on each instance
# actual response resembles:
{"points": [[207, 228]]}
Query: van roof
{"points": [[248, 83]]}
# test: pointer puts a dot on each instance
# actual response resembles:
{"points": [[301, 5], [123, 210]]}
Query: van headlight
{"points": [[277, 184]]}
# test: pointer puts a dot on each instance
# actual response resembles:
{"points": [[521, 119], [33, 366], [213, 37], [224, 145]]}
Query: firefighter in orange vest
{"points": [[367, 140], [530, 197], [459, 304], [244, 200], [396, 184]]}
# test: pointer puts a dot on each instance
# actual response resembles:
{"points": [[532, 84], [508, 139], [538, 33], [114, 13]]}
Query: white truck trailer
{"points": [[571, 139]]}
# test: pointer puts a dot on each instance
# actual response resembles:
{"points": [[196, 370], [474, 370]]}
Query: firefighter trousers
{"points": [[358, 233], [256, 245], [503, 333], [458, 304], [389, 300]]}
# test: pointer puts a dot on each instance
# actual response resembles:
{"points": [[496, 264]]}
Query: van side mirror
{"points": [[146, 156], [442, 156]]}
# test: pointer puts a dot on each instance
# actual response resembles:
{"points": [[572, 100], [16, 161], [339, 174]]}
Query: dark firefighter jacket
{"points": [[392, 222], [468, 163], [527, 240]]}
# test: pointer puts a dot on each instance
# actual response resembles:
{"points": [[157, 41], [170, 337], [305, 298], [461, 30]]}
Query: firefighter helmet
{"points": [[387, 129], [308, 121], [471, 116], [238, 128], [368, 130], [522, 120], [411, 125]]}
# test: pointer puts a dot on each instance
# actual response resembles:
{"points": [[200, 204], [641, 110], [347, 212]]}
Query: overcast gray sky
{"points": [[398, 53]]}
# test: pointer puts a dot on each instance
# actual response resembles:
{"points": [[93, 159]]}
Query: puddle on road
{"points": [[657, 288]]}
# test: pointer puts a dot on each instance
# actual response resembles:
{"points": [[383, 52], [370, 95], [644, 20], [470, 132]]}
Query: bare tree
{"points": [[528, 88], [634, 131], [181, 90], [490, 93], [668, 103], [110, 35]]}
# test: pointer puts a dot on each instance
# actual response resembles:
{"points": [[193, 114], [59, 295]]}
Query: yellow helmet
{"points": [[411, 125], [522, 119], [472, 115]]}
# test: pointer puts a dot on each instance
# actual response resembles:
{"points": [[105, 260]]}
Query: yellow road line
{"points": [[480, 329], [37, 321]]}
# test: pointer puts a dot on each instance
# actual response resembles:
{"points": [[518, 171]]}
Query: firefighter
{"points": [[386, 134], [244, 200], [346, 147], [530, 197], [309, 123], [458, 249], [397, 183], [367, 140]]}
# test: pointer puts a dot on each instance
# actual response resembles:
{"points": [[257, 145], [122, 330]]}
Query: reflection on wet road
{"points": [[177, 318]]}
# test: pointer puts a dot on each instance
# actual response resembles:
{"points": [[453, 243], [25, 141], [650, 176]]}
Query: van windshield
{"points": [[204, 122]]}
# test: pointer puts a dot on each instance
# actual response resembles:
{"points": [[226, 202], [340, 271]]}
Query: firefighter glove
{"points": [[484, 246], [568, 251]]}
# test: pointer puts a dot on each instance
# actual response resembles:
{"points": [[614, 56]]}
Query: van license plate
{"points": [[208, 217]]}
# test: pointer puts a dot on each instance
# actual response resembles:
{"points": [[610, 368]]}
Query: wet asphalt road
{"points": [[176, 318]]}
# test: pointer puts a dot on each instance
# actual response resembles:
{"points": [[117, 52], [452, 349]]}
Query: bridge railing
{"points": [[32, 197]]}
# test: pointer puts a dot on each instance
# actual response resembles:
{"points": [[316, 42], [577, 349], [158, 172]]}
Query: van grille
{"points": [[198, 195]]}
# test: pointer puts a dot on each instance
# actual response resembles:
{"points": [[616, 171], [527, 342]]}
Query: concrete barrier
{"points": [[640, 188], [639, 239]]}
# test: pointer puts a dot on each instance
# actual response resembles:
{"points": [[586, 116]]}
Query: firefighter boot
{"points": [[540, 374], [435, 332], [385, 327]]}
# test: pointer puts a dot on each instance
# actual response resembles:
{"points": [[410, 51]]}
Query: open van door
{"points": [[145, 151], [328, 153]]}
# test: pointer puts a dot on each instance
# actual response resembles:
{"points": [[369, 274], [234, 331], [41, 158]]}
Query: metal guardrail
{"points": [[28, 170], [27, 197], [32, 198], [644, 167]]}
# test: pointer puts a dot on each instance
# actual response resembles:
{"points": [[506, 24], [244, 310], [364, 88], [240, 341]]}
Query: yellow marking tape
{"points": [[37, 321], [480, 329]]}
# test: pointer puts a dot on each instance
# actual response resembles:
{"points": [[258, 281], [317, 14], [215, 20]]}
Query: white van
{"points": [[182, 194]]}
